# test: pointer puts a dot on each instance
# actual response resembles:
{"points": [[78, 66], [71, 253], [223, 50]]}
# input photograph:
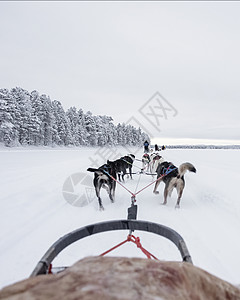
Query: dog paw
{"points": [[156, 192], [177, 206]]}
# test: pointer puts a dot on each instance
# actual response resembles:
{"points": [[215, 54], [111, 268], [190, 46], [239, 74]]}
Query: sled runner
{"points": [[44, 265]]}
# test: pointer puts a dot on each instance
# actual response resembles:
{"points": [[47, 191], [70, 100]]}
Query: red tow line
{"points": [[132, 238], [135, 240], [134, 194]]}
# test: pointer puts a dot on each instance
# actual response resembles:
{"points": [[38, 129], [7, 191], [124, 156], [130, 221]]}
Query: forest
{"points": [[31, 118]]}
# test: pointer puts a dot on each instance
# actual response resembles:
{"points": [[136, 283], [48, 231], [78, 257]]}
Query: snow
{"points": [[34, 212]]}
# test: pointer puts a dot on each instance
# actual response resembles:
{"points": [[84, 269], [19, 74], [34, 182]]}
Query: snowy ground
{"points": [[34, 212]]}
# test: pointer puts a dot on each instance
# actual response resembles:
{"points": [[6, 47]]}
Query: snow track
{"points": [[34, 213]]}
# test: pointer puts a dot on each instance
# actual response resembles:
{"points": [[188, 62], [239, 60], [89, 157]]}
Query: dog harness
{"points": [[168, 170], [107, 170]]}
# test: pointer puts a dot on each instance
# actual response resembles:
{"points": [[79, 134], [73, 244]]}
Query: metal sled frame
{"points": [[43, 265]]}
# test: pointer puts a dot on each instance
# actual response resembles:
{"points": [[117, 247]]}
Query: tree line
{"points": [[203, 146], [28, 118]]}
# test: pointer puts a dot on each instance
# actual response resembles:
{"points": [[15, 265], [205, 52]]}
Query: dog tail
{"points": [[99, 172], [183, 168]]}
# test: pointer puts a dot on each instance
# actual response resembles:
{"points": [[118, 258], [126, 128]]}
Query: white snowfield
{"points": [[34, 212]]}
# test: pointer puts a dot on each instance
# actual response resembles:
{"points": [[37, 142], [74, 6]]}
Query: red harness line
{"points": [[121, 184], [132, 238], [135, 240], [134, 194]]}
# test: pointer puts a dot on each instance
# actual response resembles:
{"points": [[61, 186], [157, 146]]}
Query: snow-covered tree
{"points": [[90, 125], [82, 131], [33, 119], [23, 112], [63, 127], [72, 116], [8, 119]]}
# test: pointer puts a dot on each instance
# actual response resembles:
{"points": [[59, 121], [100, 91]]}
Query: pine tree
{"points": [[82, 132], [33, 119], [90, 125], [23, 112], [72, 116], [63, 127], [8, 110]]}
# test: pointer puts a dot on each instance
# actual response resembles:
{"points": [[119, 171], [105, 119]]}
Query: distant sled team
{"points": [[151, 161], [173, 177]]}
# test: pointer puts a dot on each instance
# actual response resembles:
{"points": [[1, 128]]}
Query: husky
{"points": [[104, 177], [155, 160], [122, 164], [173, 177], [145, 162]]}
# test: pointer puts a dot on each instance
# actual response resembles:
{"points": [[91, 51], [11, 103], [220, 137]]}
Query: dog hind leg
{"points": [[130, 171], [97, 189], [112, 192], [180, 188], [123, 174], [119, 176], [165, 193], [156, 186], [170, 191]]}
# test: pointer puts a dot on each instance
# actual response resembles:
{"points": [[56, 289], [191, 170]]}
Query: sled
{"points": [[44, 265]]}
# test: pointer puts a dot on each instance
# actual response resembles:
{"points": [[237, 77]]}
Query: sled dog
{"points": [[145, 162], [122, 164], [173, 177], [155, 160], [103, 178]]}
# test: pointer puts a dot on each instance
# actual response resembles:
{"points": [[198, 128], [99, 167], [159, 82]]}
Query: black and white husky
{"points": [[173, 177], [155, 160], [104, 178]]}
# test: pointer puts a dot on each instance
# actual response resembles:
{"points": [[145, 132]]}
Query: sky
{"points": [[172, 68]]}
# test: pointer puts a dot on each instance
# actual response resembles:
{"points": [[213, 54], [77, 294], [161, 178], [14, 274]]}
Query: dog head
{"points": [[145, 157], [111, 165], [157, 157], [132, 156]]}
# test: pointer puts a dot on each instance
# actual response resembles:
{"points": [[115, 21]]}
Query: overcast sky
{"points": [[115, 58]]}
